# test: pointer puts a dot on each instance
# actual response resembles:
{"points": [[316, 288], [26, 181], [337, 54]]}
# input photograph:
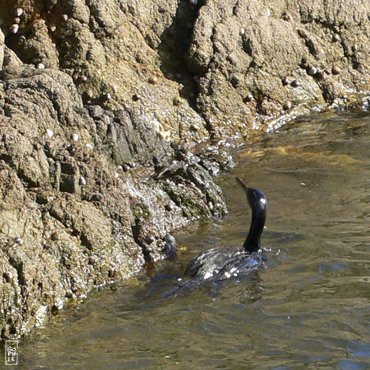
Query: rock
{"points": [[98, 159], [335, 70], [2, 47], [14, 28], [78, 209], [269, 48]]}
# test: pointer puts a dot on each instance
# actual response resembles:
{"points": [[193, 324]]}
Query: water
{"points": [[310, 309]]}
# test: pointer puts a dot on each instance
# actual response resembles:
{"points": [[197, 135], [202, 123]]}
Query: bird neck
{"points": [[253, 241]]}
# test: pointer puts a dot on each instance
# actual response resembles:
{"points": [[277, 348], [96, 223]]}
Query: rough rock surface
{"points": [[103, 103], [88, 195], [271, 56]]}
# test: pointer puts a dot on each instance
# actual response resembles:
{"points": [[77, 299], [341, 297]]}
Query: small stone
{"points": [[248, 98], [64, 17], [50, 133], [119, 168], [242, 31], [153, 80], [150, 239], [90, 146], [14, 28], [82, 181], [335, 70], [135, 97], [235, 81], [287, 105], [108, 96], [126, 167], [319, 74], [40, 66], [116, 175], [177, 101], [8, 276], [168, 207], [18, 240], [312, 71], [294, 83], [285, 81], [286, 17], [18, 12], [193, 2], [75, 137], [336, 38], [53, 27], [17, 20], [84, 78], [304, 63]]}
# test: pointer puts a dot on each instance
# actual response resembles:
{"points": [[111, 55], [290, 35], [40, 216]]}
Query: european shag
{"points": [[223, 263]]}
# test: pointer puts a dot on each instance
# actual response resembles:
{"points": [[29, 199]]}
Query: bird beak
{"points": [[241, 183]]}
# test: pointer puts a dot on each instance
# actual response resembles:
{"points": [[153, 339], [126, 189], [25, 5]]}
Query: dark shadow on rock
{"points": [[174, 46]]}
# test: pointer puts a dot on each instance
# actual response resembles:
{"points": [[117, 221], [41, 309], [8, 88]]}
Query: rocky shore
{"points": [[109, 111]]}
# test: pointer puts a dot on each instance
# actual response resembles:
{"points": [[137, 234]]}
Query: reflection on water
{"points": [[309, 310]]}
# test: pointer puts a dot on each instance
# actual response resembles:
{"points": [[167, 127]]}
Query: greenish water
{"points": [[310, 309]]}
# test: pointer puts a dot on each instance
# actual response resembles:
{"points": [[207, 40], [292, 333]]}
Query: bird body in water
{"points": [[218, 264], [225, 263]]}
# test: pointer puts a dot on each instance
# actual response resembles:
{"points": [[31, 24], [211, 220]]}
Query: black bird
{"points": [[218, 264], [223, 263]]}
